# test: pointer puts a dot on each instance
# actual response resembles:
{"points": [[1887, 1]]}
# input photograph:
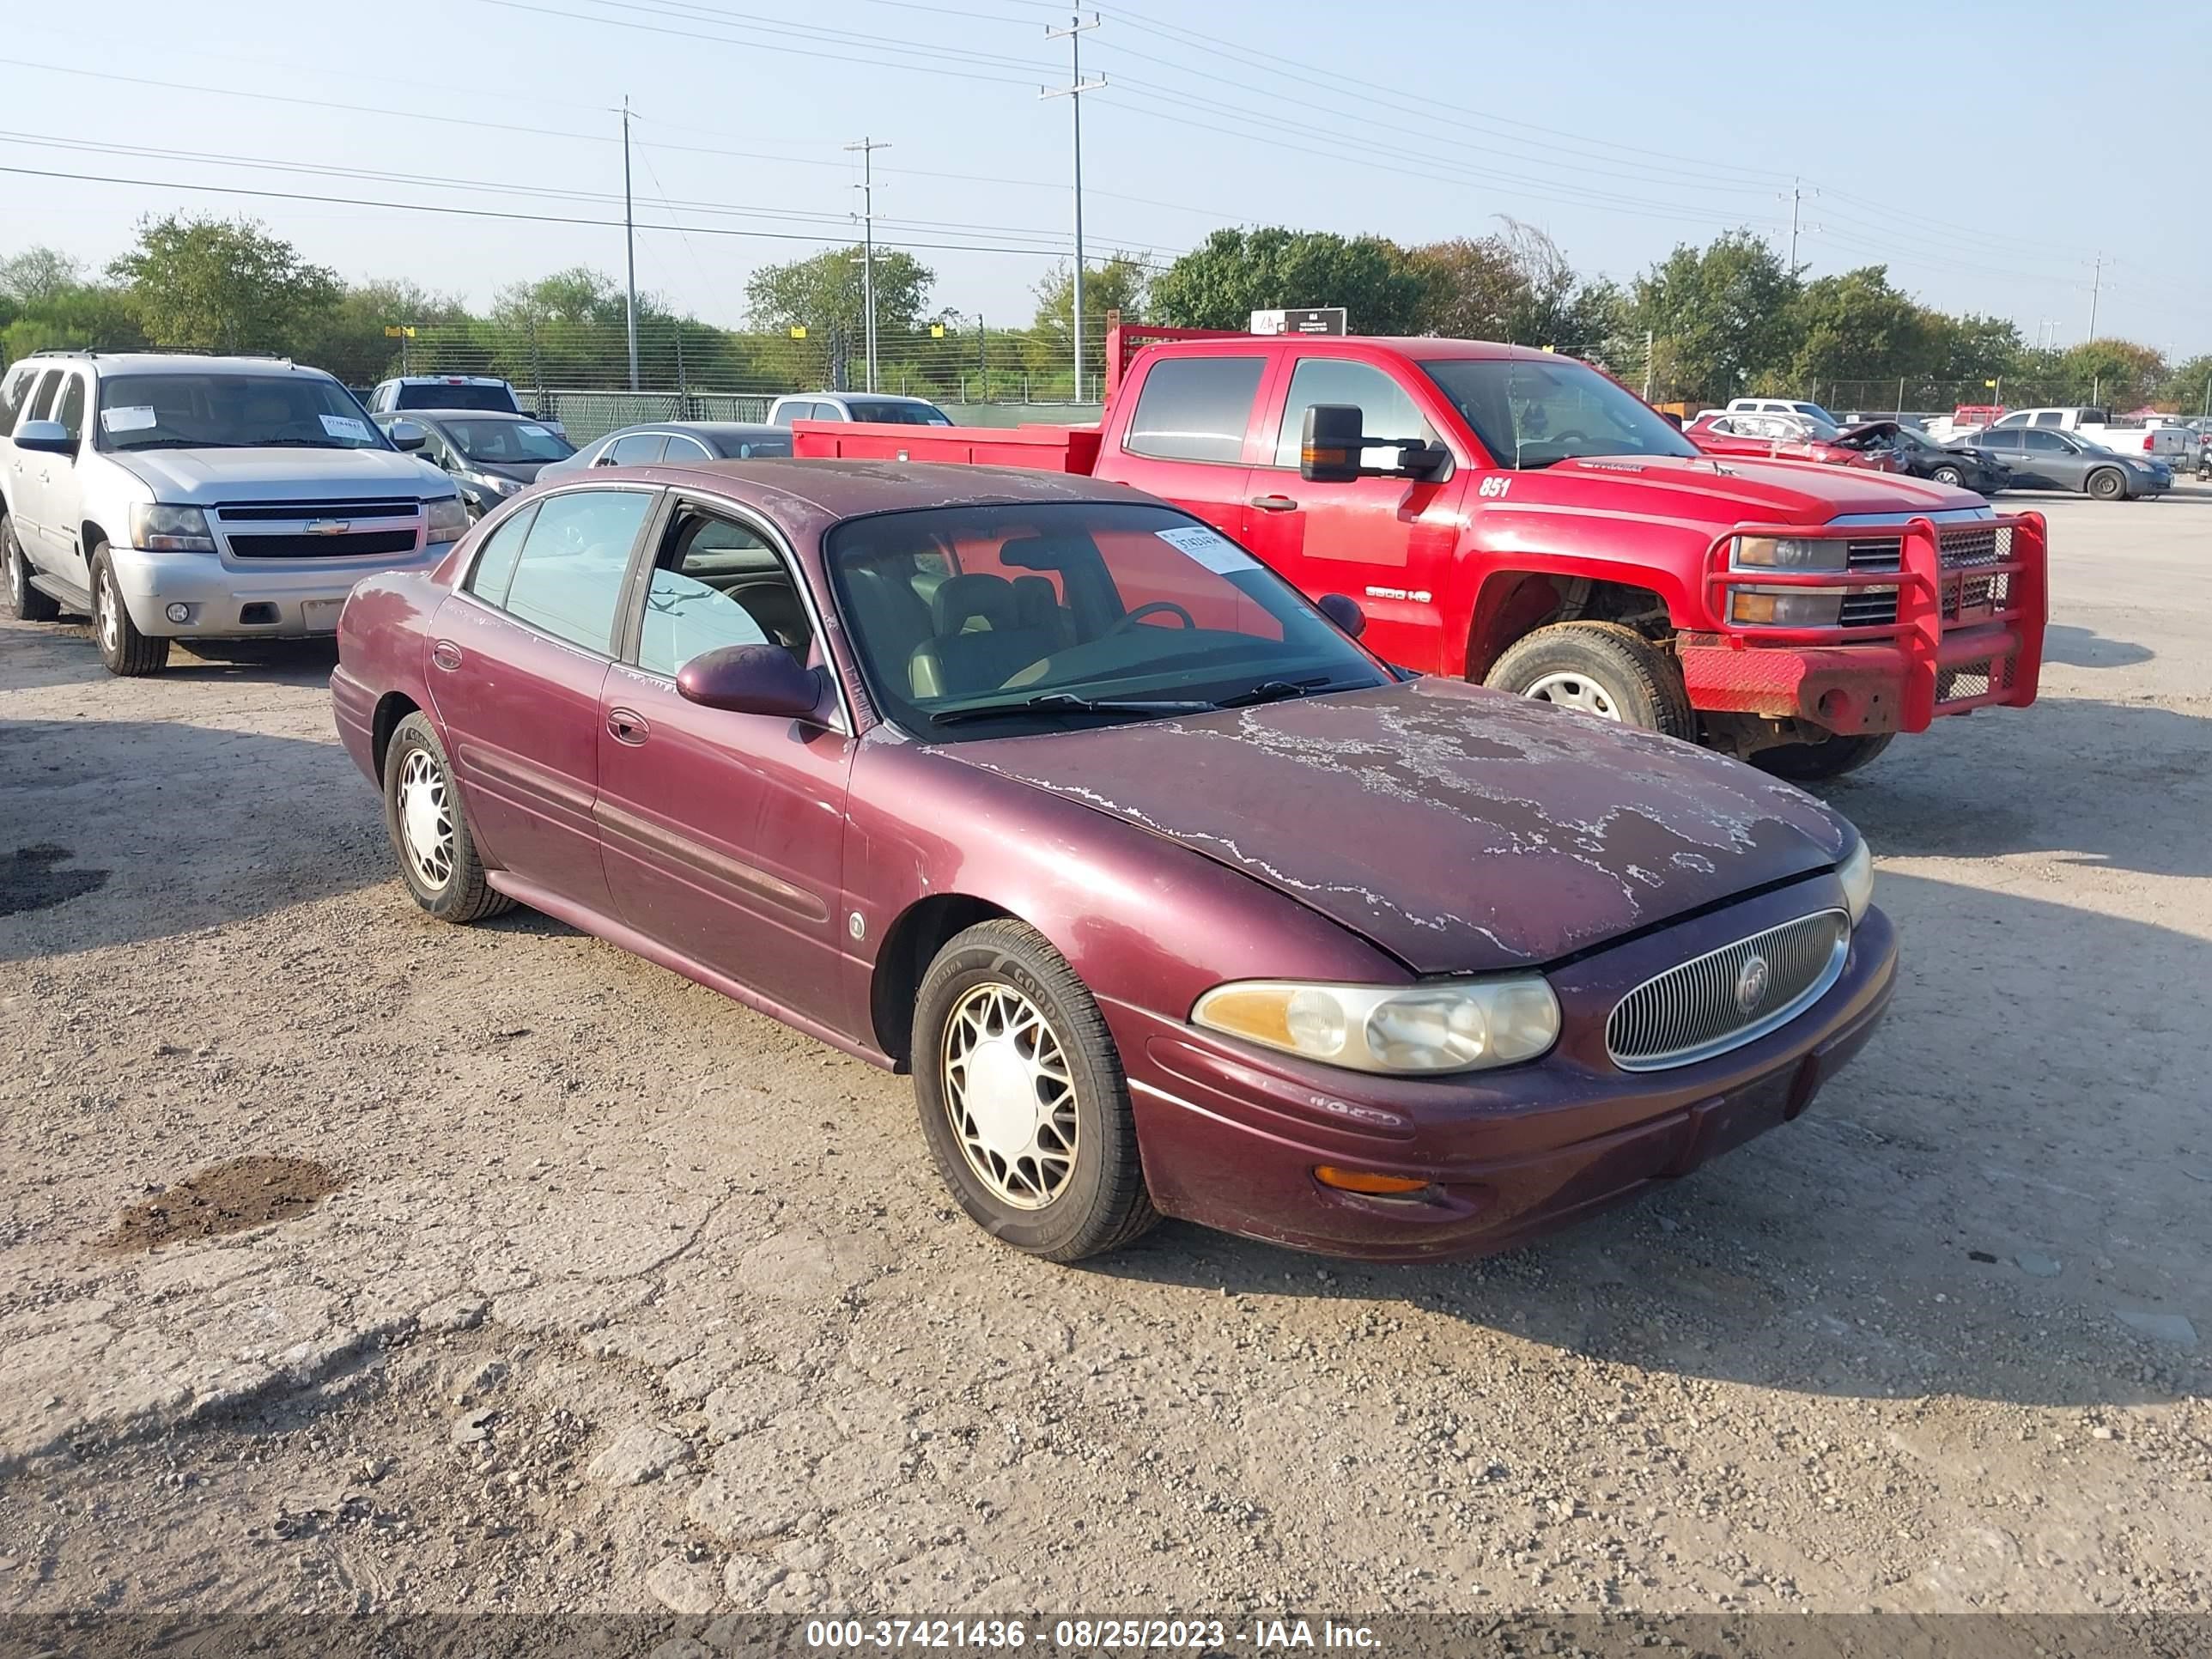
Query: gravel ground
{"points": [[626, 1299]]}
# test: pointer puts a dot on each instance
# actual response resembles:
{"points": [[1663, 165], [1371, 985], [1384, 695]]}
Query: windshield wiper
{"points": [[1274, 691], [1067, 702], [291, 443], [174, 443]]}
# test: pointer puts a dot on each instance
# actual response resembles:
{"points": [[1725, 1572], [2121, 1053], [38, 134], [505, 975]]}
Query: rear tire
{"points": [[2106, 484], [127, 654], [430, 830], [1601, 668], [25, 602], [1023, 1099], [1812, 763]]}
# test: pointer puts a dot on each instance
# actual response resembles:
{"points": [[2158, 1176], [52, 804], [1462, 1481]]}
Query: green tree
{"points": [[1720, 315], [30, 279], [2188, 387], [350, 341], [221, 284], [1852, 327], [83, 315], [1963, 352], [2118, 374], [578, 296], [1119, 284], [825, 293], [1234, 273]]}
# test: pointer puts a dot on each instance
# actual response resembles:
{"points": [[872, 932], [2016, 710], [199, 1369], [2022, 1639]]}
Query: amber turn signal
{"points": [[1312, 457], [1367, 1181]]}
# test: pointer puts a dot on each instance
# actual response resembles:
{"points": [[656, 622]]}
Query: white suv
{"points": [[185, 497], [878, 406]]}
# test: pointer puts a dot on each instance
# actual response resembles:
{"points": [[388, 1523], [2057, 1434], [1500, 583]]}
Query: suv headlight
{"points": [[1856, 874], [1786, 607], [448, 519], [1439, 1026], [1792, 552], [170, 529]]}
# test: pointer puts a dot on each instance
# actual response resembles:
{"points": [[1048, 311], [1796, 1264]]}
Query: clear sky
{"points": [[1620, 128]]}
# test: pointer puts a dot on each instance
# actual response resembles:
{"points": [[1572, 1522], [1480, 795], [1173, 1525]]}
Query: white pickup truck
{"points": [[2169, 441]]}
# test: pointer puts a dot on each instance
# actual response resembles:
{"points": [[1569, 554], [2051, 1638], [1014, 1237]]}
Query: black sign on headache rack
{"points": [[1307, 319]]}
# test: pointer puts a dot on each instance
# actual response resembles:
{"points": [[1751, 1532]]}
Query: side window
{"points": [[681, 448], [2010, 421], [69, 411], [495, 566], [1195, 408], [718, 584], [2046, 442], [42, 406], [637, 449], [1386, 411], [786, 412], [569, 581], [2050, 417], [14, 393]]}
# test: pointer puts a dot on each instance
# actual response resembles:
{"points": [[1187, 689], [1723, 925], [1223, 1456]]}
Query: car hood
{"points": [[1459, 828], [200, 477], [1722, 490]]}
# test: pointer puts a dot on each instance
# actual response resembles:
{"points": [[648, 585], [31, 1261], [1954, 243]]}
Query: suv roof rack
{"points": [[157, 351]]}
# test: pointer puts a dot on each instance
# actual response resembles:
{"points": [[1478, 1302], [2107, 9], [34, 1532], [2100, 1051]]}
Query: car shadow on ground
{"points": [[2084, 647], [38, 655], [119, 832], [1969, 1208]]}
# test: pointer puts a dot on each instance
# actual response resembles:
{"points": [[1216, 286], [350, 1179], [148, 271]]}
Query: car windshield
{"points": [[984, 621], [506, 443], [1813, 412], [897, 412], [1535, 414], [456, 394], [231, 411]]}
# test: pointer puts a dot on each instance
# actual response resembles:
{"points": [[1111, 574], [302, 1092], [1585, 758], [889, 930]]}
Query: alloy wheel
{"points": [[1011, 1095], [1576, 691], [105, 607], [426, 822]]}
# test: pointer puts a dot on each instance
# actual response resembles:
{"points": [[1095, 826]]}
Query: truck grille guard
{"points": [[1971, 603]]}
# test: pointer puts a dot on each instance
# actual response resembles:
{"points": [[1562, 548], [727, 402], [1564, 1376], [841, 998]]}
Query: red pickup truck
{"points": [[1519, 519]]}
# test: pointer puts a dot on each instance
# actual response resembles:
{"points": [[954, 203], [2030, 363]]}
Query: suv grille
{"points": [[1719, 1001], [1964, 546], [287, 512], [355, 546]]}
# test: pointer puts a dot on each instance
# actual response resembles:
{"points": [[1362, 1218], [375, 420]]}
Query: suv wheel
{"points": [[25, 602], [1811, 762], [429, 831], [1601, 668], [1023, 1099], [123, 648]]}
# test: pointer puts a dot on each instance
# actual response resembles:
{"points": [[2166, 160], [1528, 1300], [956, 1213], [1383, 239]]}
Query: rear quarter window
{"points": [[15, 392], [1195, 408]]}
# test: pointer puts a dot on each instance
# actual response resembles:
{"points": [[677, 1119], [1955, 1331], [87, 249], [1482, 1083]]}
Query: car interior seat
{"points": [[981, 641]]}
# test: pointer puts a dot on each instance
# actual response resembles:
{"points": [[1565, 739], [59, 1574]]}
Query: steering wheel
{"points": [[1145, 611], [1568, 437]]}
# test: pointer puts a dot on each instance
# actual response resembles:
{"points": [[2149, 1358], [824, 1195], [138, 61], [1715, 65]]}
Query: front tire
{"points": [[126, 652], [25, 602], [1946, 474], [1812, 762], [2106, 484], [430, 830], [1601, 668], [1023, 1099]]}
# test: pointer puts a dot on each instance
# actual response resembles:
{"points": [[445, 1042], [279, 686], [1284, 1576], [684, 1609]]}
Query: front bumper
{"points": [[1230, 1135], [224, 600]]}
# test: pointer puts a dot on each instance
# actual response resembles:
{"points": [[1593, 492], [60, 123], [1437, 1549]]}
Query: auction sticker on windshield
{"points": [[137, 418], [345, 426], [1210, 548]]}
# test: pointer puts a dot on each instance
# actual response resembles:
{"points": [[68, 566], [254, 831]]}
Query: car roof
{"points": [[457, 414], [836, 489], [444, 379], [871, 397], [705, 428]]}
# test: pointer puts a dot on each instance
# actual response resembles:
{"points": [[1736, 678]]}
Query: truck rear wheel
{"points": [[1809, 762], [1601, 668]]}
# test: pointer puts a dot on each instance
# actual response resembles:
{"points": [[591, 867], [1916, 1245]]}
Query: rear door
{"points": [[1191, 432], [634, 449], [518, 657], [2056, 464], [1386, 541]]}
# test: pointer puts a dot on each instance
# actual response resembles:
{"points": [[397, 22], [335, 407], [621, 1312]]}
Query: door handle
{"points": [[445, 654], [1274, 503], [628, 725]]}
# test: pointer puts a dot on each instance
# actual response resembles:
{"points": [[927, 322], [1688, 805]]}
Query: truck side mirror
{"points": [[1329, 444]]}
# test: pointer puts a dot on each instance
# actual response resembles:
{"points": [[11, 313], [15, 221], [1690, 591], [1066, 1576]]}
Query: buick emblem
{"points": [[1751, 984], [328, 527]]}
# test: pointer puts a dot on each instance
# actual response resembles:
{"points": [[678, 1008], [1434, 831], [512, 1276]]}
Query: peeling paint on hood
{"points": [[1459, 828]]}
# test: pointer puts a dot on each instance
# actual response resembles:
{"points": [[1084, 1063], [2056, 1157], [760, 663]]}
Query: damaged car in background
{"points": [[1172, 897]]}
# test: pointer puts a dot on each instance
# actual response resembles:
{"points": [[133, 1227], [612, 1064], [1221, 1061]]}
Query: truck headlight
{"points": [[1786, 607], [1856, 874], [170, 529], [447, 520], [1792, 552], [1440, 1026]]}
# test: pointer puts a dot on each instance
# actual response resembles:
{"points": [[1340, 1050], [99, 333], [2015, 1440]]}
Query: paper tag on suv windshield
{"points": [[344, 426], [1209, 547], [536, 431], [136, 418]]}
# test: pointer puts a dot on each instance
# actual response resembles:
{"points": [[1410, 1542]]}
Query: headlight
{"points": [[1856, 874], [1786, 607], [1441, 1026], [448, 519], [1792, 553], [170, 530], [497, 486]]}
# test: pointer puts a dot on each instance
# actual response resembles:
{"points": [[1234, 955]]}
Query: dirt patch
{"points": [[29, 881], [224, 1198]]}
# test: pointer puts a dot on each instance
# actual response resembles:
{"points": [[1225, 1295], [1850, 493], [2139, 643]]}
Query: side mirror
{"points": [[1344, 611], [407, 435], [1671, 418], [1329, 443], [750, 679], [47, 437]]}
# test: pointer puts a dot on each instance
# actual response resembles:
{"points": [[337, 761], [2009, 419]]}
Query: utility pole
{"points": [[1797, 194], [868, 147], [2096, 286], [1074, 91], [629, 251], [1648, 336]]}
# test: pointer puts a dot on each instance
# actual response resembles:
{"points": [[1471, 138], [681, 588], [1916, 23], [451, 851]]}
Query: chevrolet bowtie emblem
{"points": [[328, 527]]}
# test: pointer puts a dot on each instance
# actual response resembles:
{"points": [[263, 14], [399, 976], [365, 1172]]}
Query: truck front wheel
{"points": [[1601, 668], [1810, 762]]}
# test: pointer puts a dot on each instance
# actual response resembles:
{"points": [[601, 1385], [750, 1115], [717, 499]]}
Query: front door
{"points": [[724, 832], [517, 661], [1386, 541]]}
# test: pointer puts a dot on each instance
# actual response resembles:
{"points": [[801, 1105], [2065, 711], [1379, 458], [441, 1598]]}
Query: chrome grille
{"points": [[1693, 1011], [1872, 607], [1962, 547]]}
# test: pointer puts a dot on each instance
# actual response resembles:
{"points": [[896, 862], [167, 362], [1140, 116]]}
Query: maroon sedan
{"points": [[1172, 898]]}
